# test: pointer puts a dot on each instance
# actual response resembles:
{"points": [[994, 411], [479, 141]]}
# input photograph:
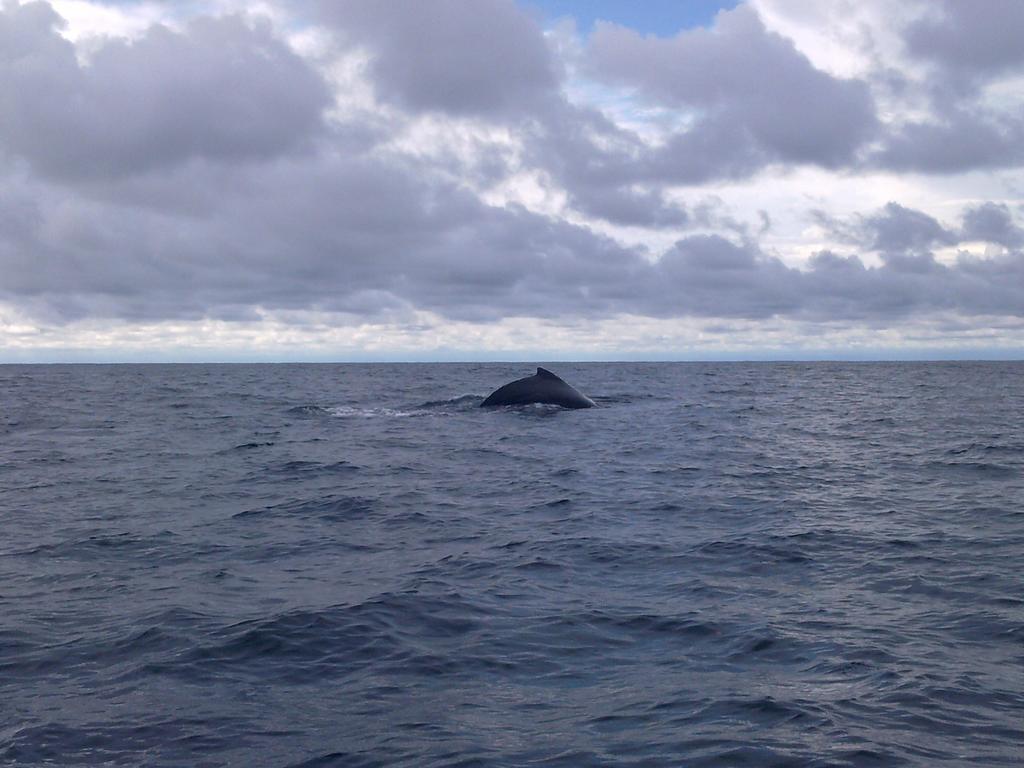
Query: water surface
{"points": [[354, 565]]}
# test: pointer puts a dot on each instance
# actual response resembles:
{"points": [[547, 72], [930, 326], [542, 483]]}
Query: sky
{"points": [[497, 180]]}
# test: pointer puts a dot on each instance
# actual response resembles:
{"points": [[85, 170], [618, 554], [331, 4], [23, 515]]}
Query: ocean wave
{"points": [[330, 507], [461, 402], [350, 412], [302, 469], [249, 446], [307, 645], [309, 410], [981, 469]]}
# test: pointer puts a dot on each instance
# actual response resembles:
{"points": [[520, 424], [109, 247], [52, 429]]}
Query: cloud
{"points": [[630, 207], [957, 140], [993, 223], [376, 236], [481, 58], [967, 48], [380, 170], [750, 93], [942, 75], [364, 234], [221, 89], [709, 276], [489, 60], [970, 40], [896, 230]]}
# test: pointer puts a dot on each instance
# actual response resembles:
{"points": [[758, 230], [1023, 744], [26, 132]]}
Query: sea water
{"points": [[354, 565]]}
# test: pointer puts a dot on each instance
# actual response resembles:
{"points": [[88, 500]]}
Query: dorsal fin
{"points": [[544, 373]]}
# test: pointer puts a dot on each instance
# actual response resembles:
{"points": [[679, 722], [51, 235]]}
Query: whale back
{"points": [[542, 387]]}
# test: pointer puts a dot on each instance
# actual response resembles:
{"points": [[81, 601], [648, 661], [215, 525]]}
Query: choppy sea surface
{"points": [[353, 565]]}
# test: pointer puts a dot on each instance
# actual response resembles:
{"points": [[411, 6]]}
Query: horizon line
{"points": [[529, 361]]}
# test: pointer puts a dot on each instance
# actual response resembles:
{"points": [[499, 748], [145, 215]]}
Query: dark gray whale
{"points": [[542, 387]]}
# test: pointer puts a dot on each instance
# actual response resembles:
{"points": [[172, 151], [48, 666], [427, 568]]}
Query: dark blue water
{"points": [[725, 564]]}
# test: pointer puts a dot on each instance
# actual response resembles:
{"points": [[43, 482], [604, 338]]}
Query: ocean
{"points": [[764, 564]]}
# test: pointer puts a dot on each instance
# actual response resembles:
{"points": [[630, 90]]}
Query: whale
{"points": [[542, 387]]}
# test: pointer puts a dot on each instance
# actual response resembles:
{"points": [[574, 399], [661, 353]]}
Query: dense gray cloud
{"points": [[713, 277], [967, 47], [970, 39], [369, 235], [993, 223], [895, 230], [753, 93], [959, 139], [630, 207], [221, 89], [602, 166], [340, 234], [480, 58], [708, 275]]}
